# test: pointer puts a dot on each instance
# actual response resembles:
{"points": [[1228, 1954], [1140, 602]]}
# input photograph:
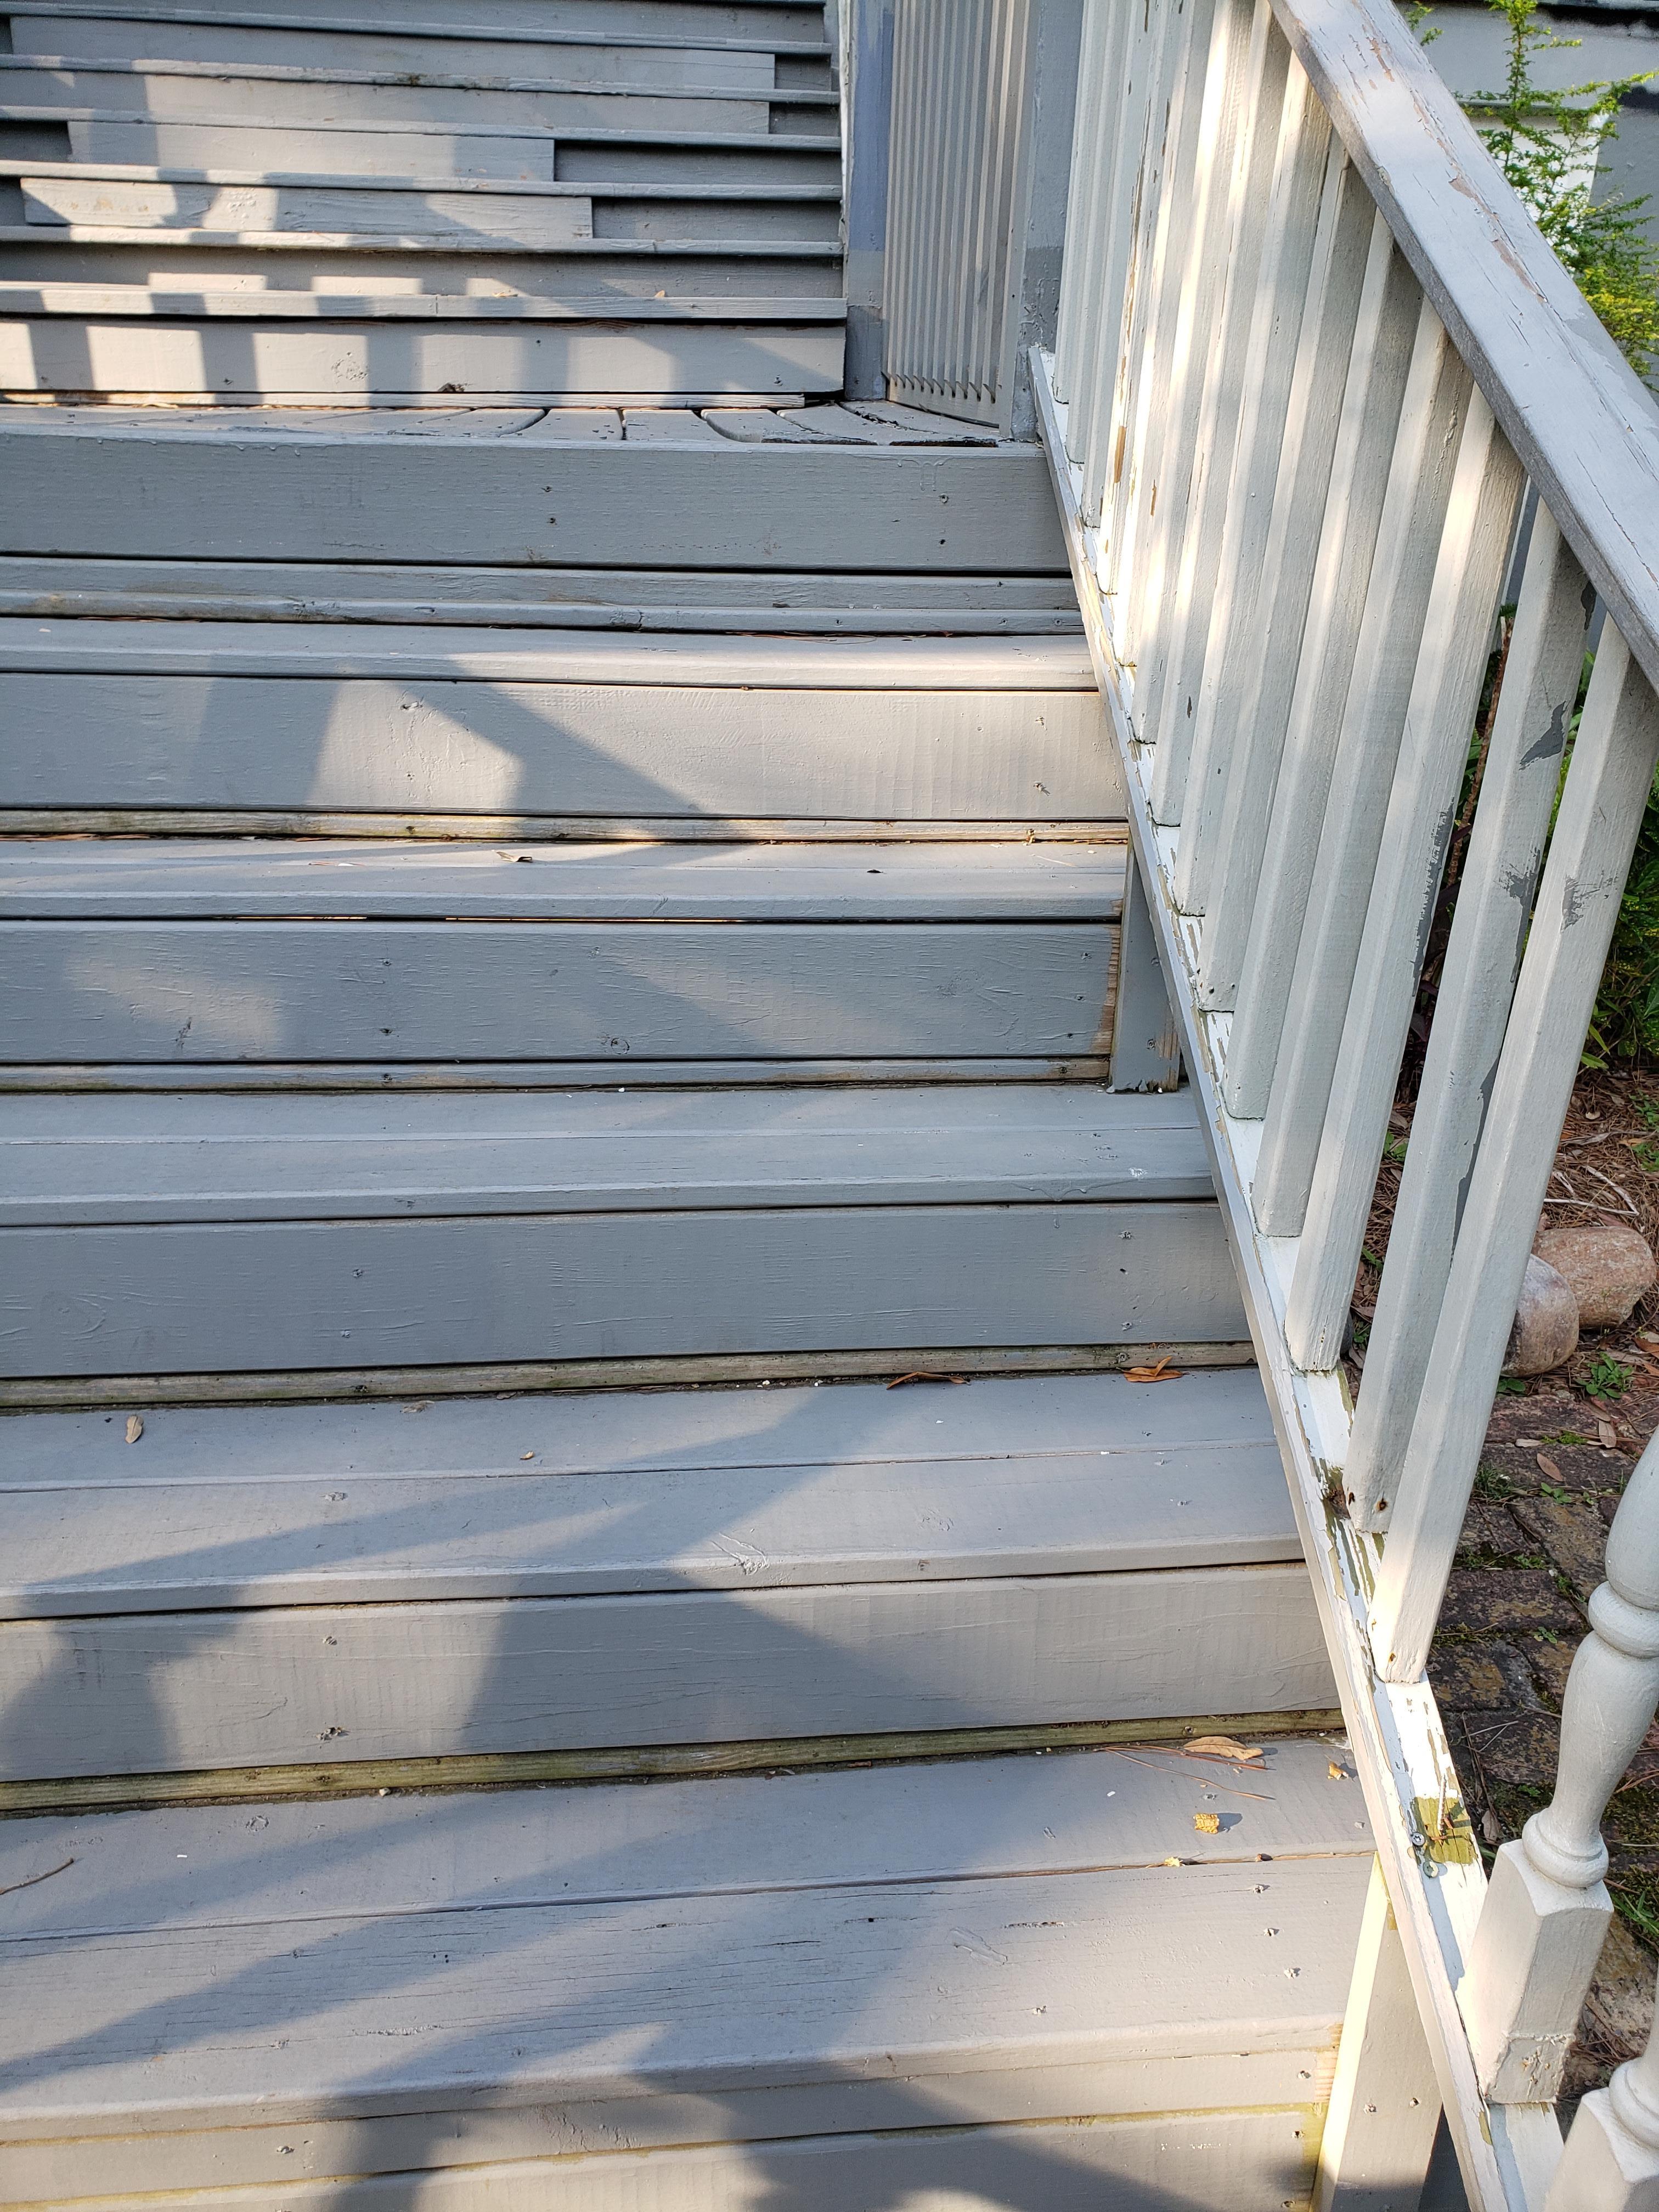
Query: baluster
{"points": [[1546, 1910], [1390, 302], [1195, 299], [1219, 641], [1253, 703], [1188, 275], [1108, 242], [1483, 958], [1367, 748], [1137, 400], [1098, 118], [1589, 856], [1177, 668], [1611, 2160], [1445, 696]]}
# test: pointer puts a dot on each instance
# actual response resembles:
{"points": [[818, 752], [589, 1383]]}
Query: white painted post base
{"points": [[1604, 2168], [1533, 1953], [1385, 2107]]}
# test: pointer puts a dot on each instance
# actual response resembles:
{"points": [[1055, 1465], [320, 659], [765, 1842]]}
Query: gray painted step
{"points": [[307, 345], [1028, 1234], [153, 492], [592, 153], [95, 195], [768, 25], [276, 95], [272, 1158], [632, 599], [679, 64], [533, 727], [821, 1969], [45, 879], [476, 269], [564, 1496]]}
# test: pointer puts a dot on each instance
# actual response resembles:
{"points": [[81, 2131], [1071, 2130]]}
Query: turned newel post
{"points": [[1546, 1909]]}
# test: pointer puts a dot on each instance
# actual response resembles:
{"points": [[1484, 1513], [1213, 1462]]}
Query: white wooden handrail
{"points": [[1312, 351]]}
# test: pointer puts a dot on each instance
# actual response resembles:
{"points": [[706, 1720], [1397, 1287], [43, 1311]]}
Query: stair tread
{"points": [[544, 136], [787, 1488], [21, 68], [428, 181], [210, 878], [153, 301], [409, 652], [435, 37], [416, 246], [137, 1157], [694, 1938]]}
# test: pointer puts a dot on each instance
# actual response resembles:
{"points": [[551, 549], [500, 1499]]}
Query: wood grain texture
{"points": [[323, 990], [154, 1692], [135, 879], [252, 1524], [759, 506], [550, 360], [243, 1297], [272, 1156], [648, 1431], [1103, 2167]]}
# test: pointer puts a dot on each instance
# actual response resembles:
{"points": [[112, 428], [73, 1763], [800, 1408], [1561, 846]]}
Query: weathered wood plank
{"points": [[135, 879], [813, 1989], [268, 1157], [759, 506], [170, 1548], [851, 1423], [252, 360], [765, 25], [232, 1297], [430, 990], [267, 94]]}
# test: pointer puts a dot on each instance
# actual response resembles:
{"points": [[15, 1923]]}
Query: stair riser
{"points": [[779, 159], [316, 744], [221, 992], [499, 359], [532, 219], [762, 25], [760, 507], [277, 102], [241, 1297], [1243, 2160], [150, 1693], [250, 268], [89, 39]]}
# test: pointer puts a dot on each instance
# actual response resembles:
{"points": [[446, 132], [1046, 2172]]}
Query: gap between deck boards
{"points": [[639, 1762], [675, 1372]]}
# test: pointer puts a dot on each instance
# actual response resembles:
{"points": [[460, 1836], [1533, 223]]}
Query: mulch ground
{"points": [[1559, 1452]]}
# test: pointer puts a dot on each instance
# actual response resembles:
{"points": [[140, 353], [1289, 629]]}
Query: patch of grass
{"points": [[1492, 1482], [1568, 1437]]}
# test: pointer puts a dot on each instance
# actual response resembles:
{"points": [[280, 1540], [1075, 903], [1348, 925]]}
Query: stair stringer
{"points": [[1506, 2153]]}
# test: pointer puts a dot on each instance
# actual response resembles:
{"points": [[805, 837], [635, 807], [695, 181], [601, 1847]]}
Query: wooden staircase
{"points": [[558, 951]]}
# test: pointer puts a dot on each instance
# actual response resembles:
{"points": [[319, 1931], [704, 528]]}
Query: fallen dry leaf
{"points": [[1162, 1373], [1207, 1823], [1337, 1773], [526, 1455], [924, 1375], [1608, 1435], [135, 1428], [1169, 1862], [1220, 1747], [1548, 1466]]}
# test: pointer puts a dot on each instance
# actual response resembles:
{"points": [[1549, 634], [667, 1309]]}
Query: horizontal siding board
{"points": [[760, 506], [323, 990], [152, 1692], [242, 1298]]}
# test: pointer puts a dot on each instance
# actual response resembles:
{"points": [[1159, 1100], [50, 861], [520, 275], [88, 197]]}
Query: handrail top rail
{"points": [[1584, 426]]}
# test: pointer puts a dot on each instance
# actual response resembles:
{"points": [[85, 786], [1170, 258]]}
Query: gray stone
{"points": [[1546, 1331], [1606, 1266]]}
